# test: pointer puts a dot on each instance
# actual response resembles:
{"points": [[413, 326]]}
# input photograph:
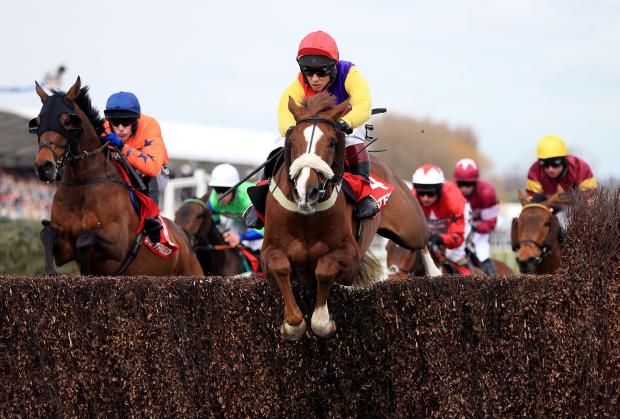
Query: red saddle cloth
{"points": [[252, 260], [149, 209], [377, 187]]}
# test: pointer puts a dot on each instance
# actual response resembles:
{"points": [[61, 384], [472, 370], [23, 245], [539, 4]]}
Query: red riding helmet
{"points": [[318, 43], [466, 170]]}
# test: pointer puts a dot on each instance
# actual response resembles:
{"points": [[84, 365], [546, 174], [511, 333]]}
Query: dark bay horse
{"points": [[534, 237], [92, 220], [310, 232], [215, 256], [402, 263]]}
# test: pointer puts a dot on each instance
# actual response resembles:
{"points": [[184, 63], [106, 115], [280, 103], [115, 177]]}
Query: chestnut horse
{"points": [[310, 231], [92, 220], [215, 256], [534, 236], [403, 263]]}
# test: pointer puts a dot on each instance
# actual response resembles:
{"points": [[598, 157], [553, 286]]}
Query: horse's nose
{"points": [[46, 171], [527, 266], [312, 195]]}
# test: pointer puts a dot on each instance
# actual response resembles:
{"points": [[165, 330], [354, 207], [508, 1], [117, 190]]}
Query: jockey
{"points": [[232, 206], [444, 206], [138, 137], [485, 208], [557, 171], [322, 70]]}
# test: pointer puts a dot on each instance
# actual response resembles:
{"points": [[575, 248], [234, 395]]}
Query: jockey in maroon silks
{"points": [[485, 209], [322, 70]]}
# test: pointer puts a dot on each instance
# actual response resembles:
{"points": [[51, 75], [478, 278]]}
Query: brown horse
{"points": [[310, 232], [402, 263], [215, 256], [92, 220], [534, 237]]}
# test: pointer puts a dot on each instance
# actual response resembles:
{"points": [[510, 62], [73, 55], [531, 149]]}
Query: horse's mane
{"points": [[84, 103], [318, 103]]}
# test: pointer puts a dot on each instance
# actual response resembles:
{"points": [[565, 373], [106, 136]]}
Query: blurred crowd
{"points": [[22, 195]]}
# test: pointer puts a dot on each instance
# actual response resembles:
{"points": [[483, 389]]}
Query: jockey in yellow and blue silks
{"points": [[322, 70]]}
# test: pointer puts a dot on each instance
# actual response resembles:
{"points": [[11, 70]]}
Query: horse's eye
{"points": [[333, 142], [201, 216], [547, 224]]}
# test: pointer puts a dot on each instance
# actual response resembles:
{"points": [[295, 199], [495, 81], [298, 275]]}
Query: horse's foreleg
{"points": [[278, 268], [84, 244], [327, 269], [48, 238], [429, 266]]}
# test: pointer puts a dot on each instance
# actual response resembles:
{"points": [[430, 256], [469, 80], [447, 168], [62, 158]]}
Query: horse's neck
{"points": [[92, 166]]}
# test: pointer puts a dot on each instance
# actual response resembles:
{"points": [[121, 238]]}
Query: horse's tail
{"points": [[369, 272]]}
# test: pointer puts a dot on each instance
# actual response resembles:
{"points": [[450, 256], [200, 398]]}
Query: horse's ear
{"points": [[552, 199], [338, 111], [74, 90], [40, 92], [297, 111], [514, 234]]}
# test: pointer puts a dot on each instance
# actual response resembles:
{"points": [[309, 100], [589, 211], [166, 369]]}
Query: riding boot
{"points": [[251, 218], [151, 228], [358, 162], [488, 266]]}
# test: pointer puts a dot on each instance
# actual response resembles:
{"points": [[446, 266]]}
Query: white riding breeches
{"points": [[482, 246]]}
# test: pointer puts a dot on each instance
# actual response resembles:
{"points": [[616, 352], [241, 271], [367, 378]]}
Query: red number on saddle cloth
{"points": [[378, 188]]}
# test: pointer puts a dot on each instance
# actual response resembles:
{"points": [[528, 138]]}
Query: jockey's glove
{"points": [[114, 140], [344, 127], [436, 240]]}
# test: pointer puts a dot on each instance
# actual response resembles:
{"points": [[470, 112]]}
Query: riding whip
{"points": [[269, 160]]}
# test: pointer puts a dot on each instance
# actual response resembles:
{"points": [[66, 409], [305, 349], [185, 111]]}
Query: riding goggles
{"points": [[126, 122], [319, 71], [552, 162], [426, 193], [465, 184]]}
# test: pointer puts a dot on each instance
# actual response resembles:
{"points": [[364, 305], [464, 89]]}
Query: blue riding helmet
{"points": [[122, 105]]}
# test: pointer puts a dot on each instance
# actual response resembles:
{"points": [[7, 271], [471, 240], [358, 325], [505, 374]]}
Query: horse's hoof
{"points": [[293, 333], [326, 330], [50, 272]]}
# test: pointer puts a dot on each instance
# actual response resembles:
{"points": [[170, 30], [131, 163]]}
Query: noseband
{"points": [[545, 249], [321, 167]]}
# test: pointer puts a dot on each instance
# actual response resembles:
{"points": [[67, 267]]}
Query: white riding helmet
{"points": [[224, 176], [428, 174]]}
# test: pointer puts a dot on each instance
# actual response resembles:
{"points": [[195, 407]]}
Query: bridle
{"points": [[544, 248], [52, 110], [192, 237], [314, 120]]}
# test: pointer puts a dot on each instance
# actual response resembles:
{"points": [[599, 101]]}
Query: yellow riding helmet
{"points": [[551, 146]]}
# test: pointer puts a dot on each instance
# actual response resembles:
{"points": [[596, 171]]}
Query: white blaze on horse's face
{"points": [[307, 195]]}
